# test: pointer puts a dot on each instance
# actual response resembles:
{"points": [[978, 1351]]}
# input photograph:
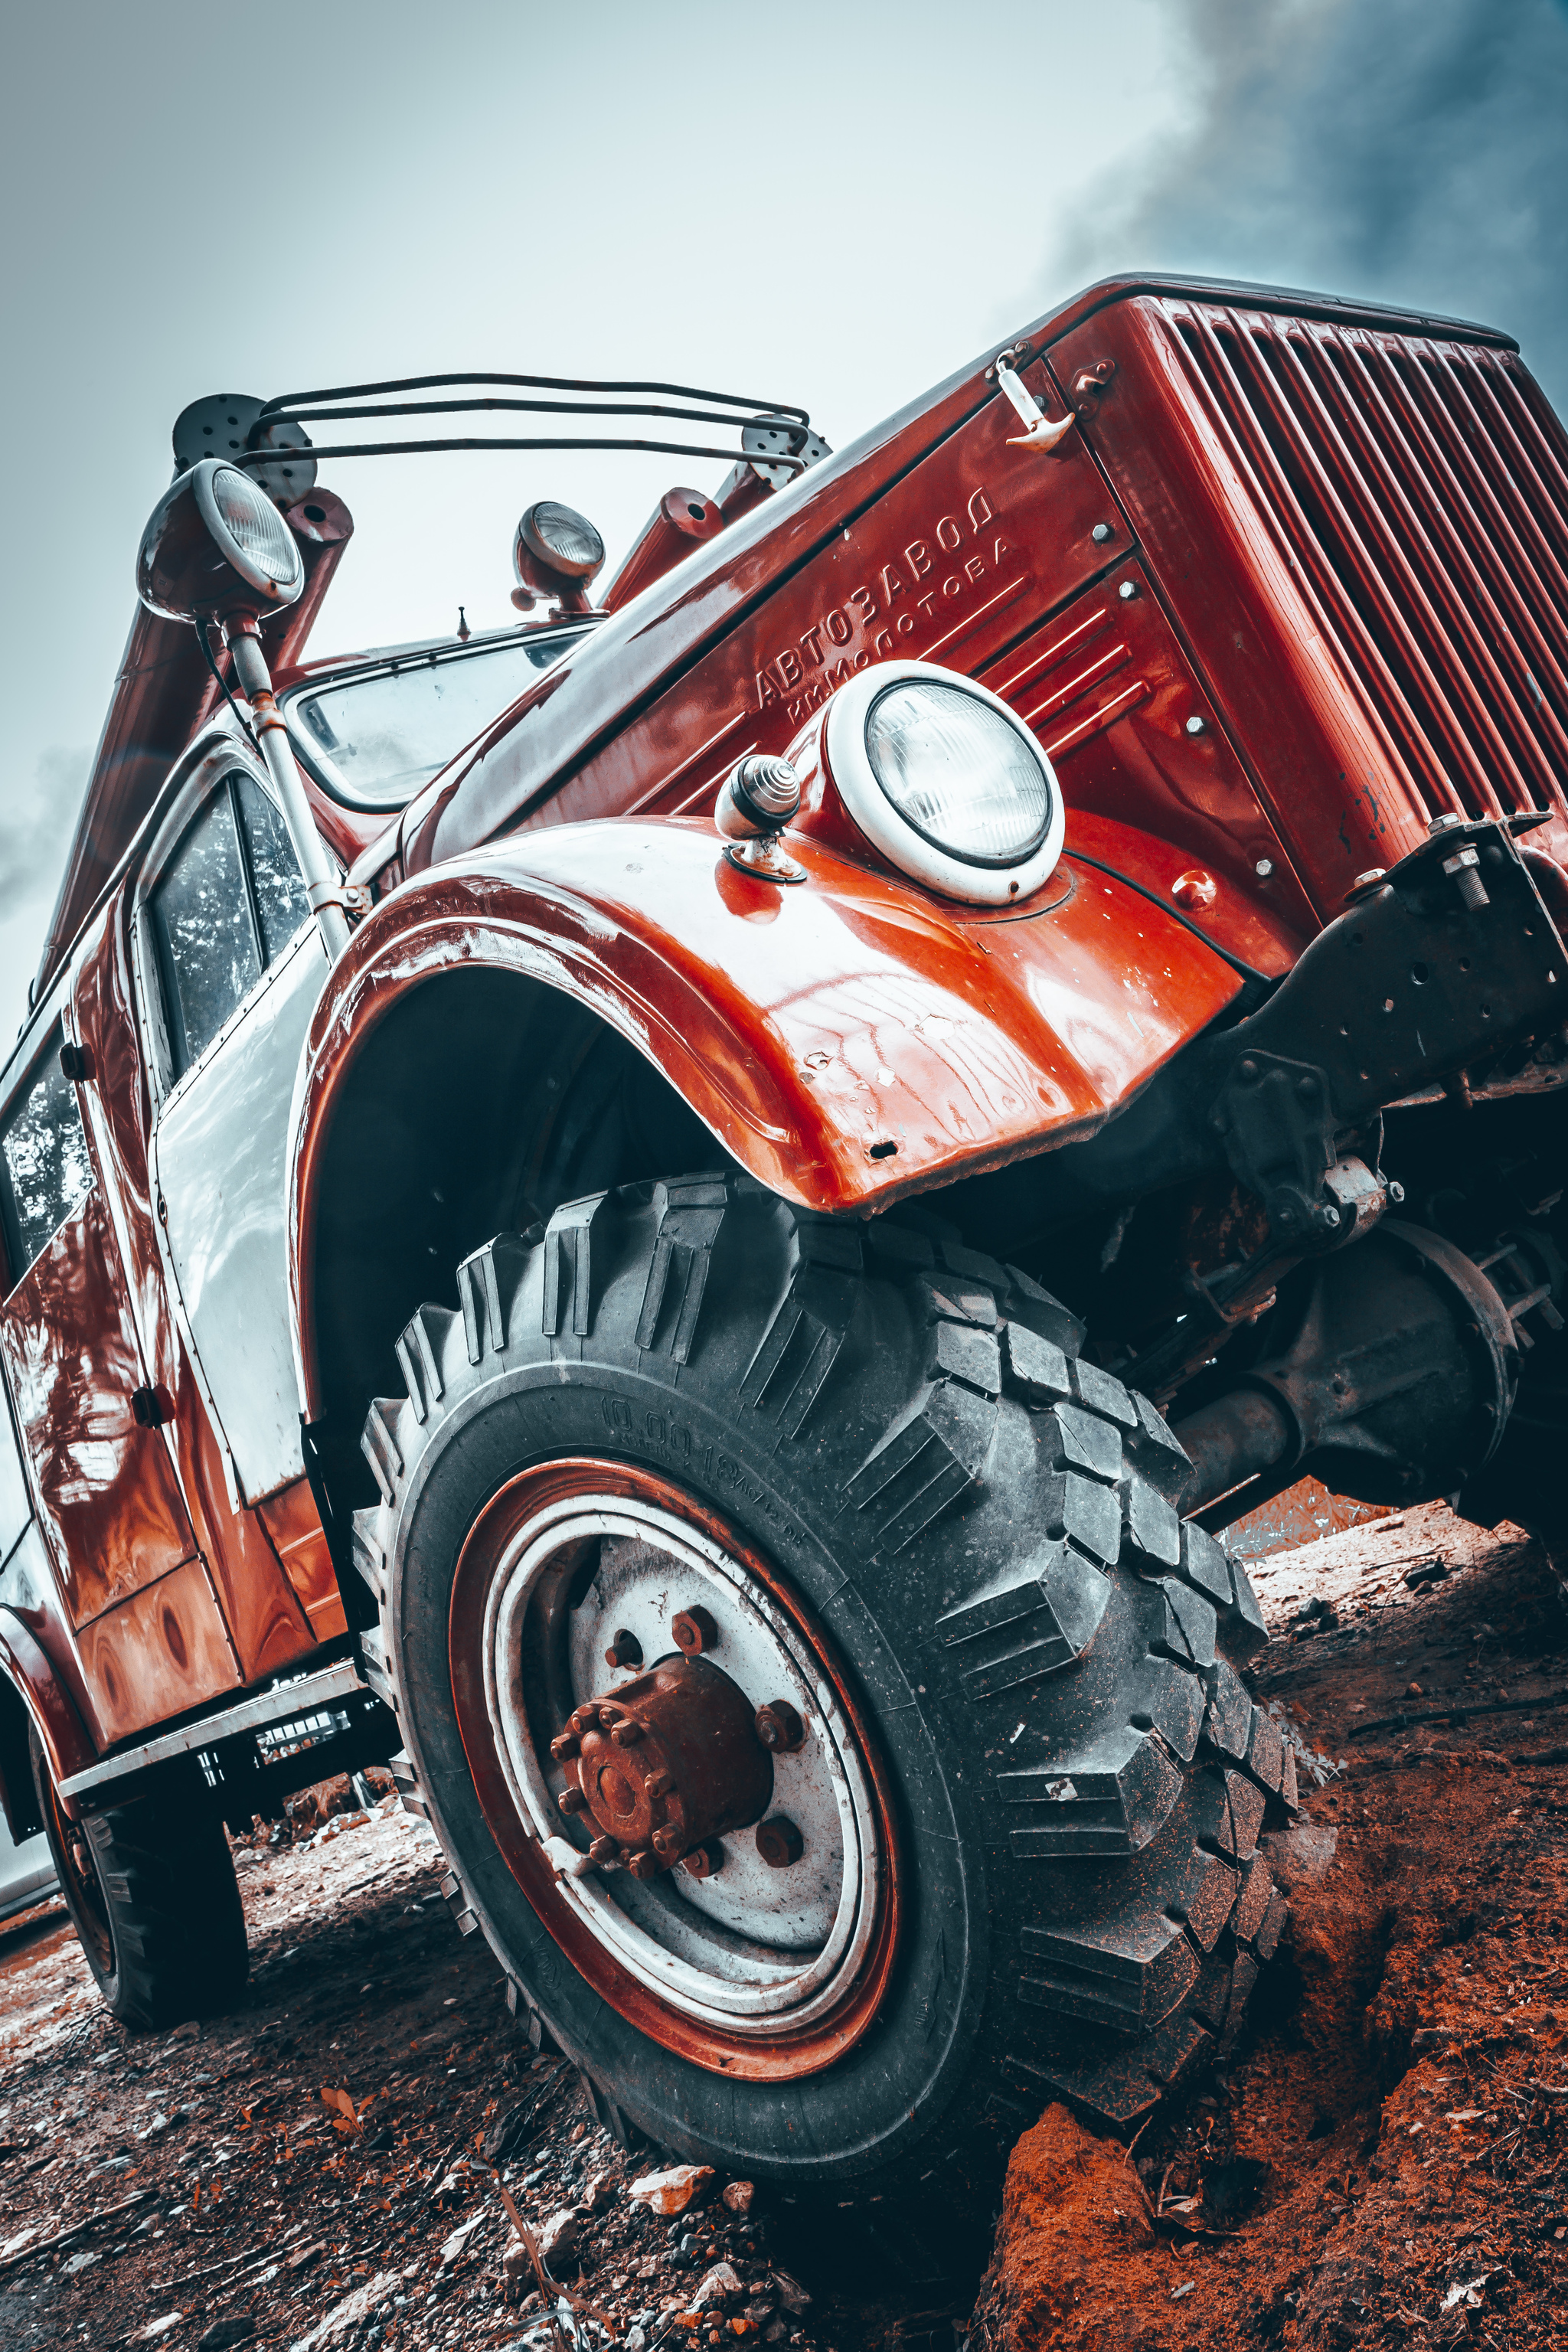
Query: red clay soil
{"points": [[1384, 2159]]}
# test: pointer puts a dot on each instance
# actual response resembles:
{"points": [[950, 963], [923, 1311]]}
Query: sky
{"points": [[834, 206]]}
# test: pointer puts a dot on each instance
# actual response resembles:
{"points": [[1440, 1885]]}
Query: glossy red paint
{"points": [[107, 1493], [159, 1653], [848, 1042], [66, 1740], [294, 1530], [1321, 495]]}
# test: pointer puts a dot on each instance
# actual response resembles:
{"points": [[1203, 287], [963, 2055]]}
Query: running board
{"points": [[279, 1705]]}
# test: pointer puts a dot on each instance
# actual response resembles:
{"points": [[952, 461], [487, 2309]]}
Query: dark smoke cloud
{"points": [[1412, 150]]}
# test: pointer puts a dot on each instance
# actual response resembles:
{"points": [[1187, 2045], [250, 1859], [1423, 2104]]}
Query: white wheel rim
{"points": [[751, 1949]]}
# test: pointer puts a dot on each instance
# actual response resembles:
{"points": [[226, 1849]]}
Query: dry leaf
{"points": [[344, 2112]]}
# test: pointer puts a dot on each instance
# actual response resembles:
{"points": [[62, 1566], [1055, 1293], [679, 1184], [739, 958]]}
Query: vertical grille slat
{"points": [[1422, 543], [1420, 491], [1334, 614], [1388, 561], [1537, 606]]}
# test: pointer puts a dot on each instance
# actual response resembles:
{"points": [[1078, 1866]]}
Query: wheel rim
{"points": [[755, 1968]]}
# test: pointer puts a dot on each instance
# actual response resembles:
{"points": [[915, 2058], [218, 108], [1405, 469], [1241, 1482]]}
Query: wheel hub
{"points": [[723, 1738], [672, 1762]]}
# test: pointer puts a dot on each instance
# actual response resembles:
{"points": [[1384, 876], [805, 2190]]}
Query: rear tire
{"points": [[151, 1893], [1032, 1657]]}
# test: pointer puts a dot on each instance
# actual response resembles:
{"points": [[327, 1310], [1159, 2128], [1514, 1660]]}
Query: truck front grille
{"points": [[1420, 490]]}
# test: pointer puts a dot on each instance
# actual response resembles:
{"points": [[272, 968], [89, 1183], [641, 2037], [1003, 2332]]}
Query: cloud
{"points": [[37, 821], [1415, 151]]}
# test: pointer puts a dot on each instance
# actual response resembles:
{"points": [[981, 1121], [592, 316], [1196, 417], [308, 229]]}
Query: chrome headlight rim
{"points": [[904, 843], [278, 587]]}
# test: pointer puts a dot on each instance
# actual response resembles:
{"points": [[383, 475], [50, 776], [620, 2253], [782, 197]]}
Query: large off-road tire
{"points": [[879, 1463], [151, 1889]]}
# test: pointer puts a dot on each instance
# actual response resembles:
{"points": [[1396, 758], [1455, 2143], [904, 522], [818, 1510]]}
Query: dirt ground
{"points": [[1383, 2158]]}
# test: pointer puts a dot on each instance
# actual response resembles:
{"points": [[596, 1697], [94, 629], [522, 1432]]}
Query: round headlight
{"points": [[259, 543], [216, 543], [946, 781]]}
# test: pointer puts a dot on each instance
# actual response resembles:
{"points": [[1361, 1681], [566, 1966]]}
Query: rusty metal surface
{"points": [[664, 1763]]}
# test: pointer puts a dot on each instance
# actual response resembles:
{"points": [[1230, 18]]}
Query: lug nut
{"points": [[627, 1734], [603, 1850], [668, 1842], [778, 1841], [657, 1784], [626, 1650], [694, 1630], [609, 1717], [704, 1859], [572, 1800], [642, 1864], [779, 1727], [563, 1748]]}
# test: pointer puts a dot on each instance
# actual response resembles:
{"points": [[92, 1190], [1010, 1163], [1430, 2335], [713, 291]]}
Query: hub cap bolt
{"points": [[779, 1727], [563, 1748], [626, 1650], [626, 1735], [778, 1841], [694, 1630], [705, 1858], [603, 1850], [572, 1800]]}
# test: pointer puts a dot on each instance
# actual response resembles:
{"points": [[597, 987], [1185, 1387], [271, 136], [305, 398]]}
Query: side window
{"points": [[228, 905], [45, 1170]]}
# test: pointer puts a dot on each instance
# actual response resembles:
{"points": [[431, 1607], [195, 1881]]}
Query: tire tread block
{"points": [[1186, 1630], [1084, 1511], [1025, 1301], [418, 1350], [1230, 1811], [932, 1456], [1116, 1974], [1150, 1525], [1074, 1440], [690, 1210], [488, 1283], [1101, 1392], [800, 1346], [1111, 1798], [1252, 1903], [378, 1443], [1039, 1620], [960, 1352], [1227, 1718], [1156, 1450], [569, 1266], [1037, 1367]]}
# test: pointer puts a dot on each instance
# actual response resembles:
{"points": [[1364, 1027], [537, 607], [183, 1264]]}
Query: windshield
{"points": [[375, 738]]}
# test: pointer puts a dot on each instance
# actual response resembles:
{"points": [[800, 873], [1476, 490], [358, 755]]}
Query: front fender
{"points": [[49, 1708], [848, 1041]]}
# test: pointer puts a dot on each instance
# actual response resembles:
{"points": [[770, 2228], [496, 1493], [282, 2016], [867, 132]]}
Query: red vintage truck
{"points": [[621, 1212]]}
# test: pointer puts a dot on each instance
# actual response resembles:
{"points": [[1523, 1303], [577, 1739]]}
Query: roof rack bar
{"points": [[776, 408]]}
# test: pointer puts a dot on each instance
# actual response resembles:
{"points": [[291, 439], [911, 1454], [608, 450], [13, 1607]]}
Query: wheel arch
{"points": [[33, 1698], [848, 1044]]}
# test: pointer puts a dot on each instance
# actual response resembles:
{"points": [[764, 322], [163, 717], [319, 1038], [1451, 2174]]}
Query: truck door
{"points": [[107, 1495], [232, 966]]}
